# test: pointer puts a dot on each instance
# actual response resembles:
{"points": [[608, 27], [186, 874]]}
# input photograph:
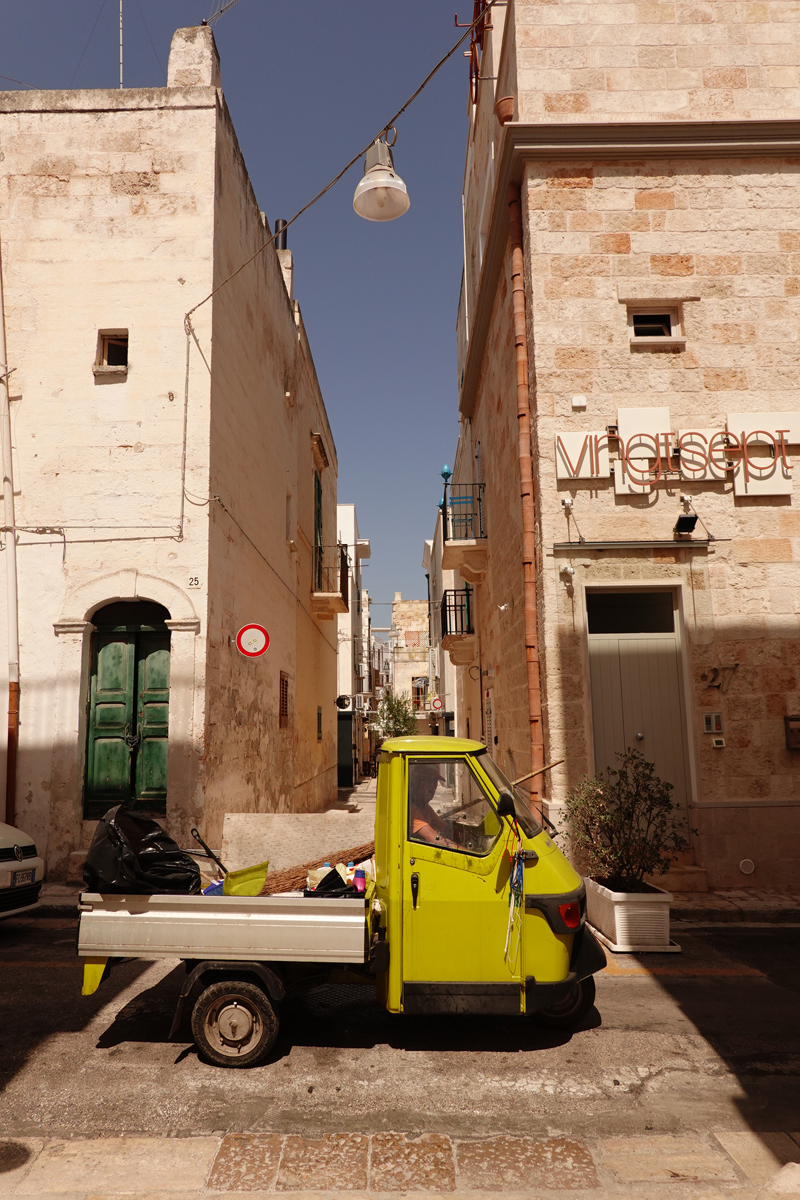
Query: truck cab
{"points": [[483, 912]]}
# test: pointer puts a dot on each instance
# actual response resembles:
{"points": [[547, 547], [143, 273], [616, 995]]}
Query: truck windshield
{"points": [[528, 823]]}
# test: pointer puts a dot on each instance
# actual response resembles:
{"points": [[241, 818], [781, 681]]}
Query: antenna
{"points": [[120, 43]]}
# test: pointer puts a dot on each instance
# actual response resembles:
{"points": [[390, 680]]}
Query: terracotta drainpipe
{"points": [[11, 576], [526, 492]]}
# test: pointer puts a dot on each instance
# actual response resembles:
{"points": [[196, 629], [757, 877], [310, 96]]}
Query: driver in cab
{"points": [[425, 823]]}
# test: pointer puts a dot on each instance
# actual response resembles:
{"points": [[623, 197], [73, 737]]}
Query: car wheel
{"points": [[234, 1023], [568, 1012]]}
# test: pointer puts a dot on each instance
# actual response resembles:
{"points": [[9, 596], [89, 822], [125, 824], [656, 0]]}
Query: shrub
{"points": [[625, 826], [395, 717]]}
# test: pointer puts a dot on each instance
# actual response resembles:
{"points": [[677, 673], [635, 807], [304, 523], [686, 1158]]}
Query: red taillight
{"points": [[570, 914]]}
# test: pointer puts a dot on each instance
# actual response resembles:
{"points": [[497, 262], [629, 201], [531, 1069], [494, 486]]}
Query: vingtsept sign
{"points": [[642, 450]]}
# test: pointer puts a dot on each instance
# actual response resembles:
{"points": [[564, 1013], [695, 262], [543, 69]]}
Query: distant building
{"points": [[411, 655], [171, 488], [447, 717], [623, 510], [354, 695]]}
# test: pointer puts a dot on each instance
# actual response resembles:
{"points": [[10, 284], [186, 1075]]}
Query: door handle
{"points": [[131, 739], [640, 737], [414, 889]]}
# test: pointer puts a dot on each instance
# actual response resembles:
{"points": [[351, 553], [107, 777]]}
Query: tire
{"points": [[234, 1023], [568, 1012]]}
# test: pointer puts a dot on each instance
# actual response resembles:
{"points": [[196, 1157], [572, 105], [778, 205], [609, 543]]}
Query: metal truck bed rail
{"points": [[278, 928]]}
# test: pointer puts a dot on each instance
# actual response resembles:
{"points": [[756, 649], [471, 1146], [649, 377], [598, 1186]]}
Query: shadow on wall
{"points": [[745, 796]]}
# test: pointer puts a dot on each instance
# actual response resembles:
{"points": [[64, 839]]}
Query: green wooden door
{"points": [[111, 721], [152, 718], [128, 719]]}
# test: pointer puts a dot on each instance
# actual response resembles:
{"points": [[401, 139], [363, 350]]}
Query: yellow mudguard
{"points": [[93, 969]]}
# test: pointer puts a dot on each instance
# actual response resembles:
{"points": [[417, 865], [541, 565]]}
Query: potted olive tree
{"points": [[622, 827]]}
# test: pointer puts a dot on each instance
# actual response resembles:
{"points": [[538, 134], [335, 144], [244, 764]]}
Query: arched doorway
{"points": [[128, 710]]}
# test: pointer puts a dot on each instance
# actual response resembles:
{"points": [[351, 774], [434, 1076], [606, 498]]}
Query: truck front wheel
{"points": [[234, 1023], [568, 1012]]}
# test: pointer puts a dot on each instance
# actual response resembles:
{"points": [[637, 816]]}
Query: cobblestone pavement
{"points": [[721, 1166]]}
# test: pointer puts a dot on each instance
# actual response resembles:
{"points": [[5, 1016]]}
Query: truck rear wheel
{"points": [[234, 1023], [568, 1012]]}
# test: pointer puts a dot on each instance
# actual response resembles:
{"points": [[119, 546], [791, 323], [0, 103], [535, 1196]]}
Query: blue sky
{"points": [[308, 84]]}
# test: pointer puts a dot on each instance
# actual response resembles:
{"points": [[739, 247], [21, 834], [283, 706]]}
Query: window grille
{"points": [[283, 719]]}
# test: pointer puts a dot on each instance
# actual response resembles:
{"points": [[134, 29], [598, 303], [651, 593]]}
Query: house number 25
{"points": [[194, 581]]}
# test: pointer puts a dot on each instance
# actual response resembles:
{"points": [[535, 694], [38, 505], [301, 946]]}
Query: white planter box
{"points": [[630, 921]]}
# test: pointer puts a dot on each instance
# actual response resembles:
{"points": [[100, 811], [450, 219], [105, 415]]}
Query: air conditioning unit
{"points": [[362, 702], [360, 670]]}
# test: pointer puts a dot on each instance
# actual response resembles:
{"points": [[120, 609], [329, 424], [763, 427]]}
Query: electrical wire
{"points": [[389, 124], [215, 17], [86, 47], [19, 81]]}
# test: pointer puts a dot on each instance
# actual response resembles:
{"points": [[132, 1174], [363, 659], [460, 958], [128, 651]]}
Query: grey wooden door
{"points": [[638, 702]]}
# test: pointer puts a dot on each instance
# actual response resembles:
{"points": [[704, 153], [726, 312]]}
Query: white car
{"points": [[21, 872]]}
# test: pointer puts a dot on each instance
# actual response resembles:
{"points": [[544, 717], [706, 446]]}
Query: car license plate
{"points": [[20, 877]]}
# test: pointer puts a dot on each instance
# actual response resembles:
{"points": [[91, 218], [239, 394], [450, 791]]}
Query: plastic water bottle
{"points": [[359, 879]]}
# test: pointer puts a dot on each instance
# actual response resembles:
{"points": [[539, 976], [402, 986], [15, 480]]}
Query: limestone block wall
{"points": [[656, 60], [265, 407], [720, 234], [106, 214]]}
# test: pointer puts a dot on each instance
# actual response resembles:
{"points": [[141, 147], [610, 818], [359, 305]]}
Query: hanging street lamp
{"points": [[381, 195]]}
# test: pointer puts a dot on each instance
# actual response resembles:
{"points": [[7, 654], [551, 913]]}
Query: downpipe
{"points": [[11, 574], [527, 494]]}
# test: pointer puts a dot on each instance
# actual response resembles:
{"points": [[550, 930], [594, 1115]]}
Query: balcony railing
{"points": [[330, 583], [463, 512], [456, 613]]}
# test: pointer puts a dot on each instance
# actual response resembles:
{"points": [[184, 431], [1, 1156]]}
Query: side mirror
{"points": [[505, 805]]}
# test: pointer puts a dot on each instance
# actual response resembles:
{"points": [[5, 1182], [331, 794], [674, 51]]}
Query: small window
{"points": [[630, 612], [652, 325], [655, 327], [283, 710], [112, 352], [419, 690], [449, 809], [319, 724]]}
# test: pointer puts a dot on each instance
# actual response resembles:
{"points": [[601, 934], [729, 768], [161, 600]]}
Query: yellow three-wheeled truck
{"points": [[473, 909]]}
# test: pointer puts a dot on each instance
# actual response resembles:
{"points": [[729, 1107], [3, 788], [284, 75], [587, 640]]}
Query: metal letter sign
{"points": [[252, 641]]}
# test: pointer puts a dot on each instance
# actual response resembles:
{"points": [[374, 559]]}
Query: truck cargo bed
{"points": [[278, 928]]}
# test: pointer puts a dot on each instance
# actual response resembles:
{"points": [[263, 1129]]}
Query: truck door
{"points": [[455, 888]]}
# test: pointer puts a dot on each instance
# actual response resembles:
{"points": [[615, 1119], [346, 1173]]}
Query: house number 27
{"points": [[194, 581]]}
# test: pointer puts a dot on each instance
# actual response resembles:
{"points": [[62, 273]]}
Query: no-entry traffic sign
{"points": [[437, 703], [252, 641]]}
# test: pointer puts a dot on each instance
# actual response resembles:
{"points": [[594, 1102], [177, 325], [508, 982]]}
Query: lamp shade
{"points": [[381, 195]]}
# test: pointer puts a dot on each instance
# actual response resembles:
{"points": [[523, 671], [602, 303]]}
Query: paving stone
{"points": [[399, 1163], [667, 1158], [17, 1156], [337, 1162], [759, 1155], [112, 1165], [506, 1162], [246, 1162]]}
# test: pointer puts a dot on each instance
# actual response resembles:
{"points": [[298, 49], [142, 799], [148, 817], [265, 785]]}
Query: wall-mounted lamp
{"points": [[686, 522], [568, 571], [446, 472], [684, 526], [567, 505], [505, 607]]}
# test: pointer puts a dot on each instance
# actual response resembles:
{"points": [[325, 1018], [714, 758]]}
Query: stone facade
{"points": [[188, 478], [702, 222], [410, 655]]}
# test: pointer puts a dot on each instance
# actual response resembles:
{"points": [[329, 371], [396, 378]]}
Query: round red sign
{"points": [[437, 703], [252, 641]]}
